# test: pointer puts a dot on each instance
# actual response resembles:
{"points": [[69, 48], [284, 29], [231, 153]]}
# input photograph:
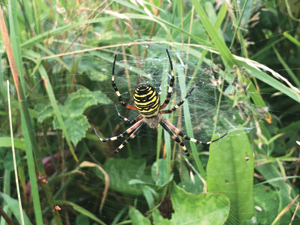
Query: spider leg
{"points": [[130, 137], [126, 119], [128, 131], [175, 138], [179, 132], [170, 85], [116, 89], [179, 104]]}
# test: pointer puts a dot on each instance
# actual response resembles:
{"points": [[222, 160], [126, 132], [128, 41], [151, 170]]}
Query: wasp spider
{"points": [[147, 103]]}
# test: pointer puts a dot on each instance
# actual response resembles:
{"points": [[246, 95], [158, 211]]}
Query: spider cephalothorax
{"points": [[147, 103]]}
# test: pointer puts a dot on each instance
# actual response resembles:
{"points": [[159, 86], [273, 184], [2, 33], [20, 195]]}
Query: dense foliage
{"points": [[242, 61]]}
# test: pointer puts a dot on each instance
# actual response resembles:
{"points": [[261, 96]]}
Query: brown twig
{"points": [[5, 216]]}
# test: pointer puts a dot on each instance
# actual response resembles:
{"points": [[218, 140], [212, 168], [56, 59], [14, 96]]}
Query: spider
{"points": [[147, 103]]}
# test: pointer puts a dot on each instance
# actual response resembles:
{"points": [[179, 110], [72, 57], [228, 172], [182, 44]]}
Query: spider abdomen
{"points": [[146, 100]]}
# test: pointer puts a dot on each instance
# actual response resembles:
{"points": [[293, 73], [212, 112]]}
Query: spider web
{"points": [[156, 72], [206, 106]]}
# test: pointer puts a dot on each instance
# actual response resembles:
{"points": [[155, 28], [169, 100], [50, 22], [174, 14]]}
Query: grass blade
{"points": [[6, 142], [219, 44], [292, 39], [188, 122], [287, 68], [14, 155], [27, 128], [51, 95], [14, 206], [80, 210]]}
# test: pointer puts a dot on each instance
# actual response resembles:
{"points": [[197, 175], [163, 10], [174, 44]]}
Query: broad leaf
{"points": [[230, 171], [78, 101], [8, 161], [137, 218], [122, 171], [76, 127], [269, 171], [46, 111], [194, 187], [159, 220], [206, 208], [266, 203], [75, 105], [92, 68], [76, 124], [101, 97], [81, 219]]}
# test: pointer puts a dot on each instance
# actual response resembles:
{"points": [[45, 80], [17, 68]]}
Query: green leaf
{"points": [[266, 204], [75, 105], [81, 219], [206, 208], [270, 80], [8, 161], [53, 101], [97, 76], [92, 68], [230, 171], [6, 142], [150, 195], [14, 207], [78, 101], [137, 218], [162, 178], [136, 181], [158, 219], [46, 111], [292, 39], [76, 127], [80, 210], [122, 171], [203, 208], [227, 57], [76, 124], [270, 172], [195, 187], [101, 97]]}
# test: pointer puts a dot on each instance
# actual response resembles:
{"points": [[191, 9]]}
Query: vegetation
{"points": [[56, 64]]}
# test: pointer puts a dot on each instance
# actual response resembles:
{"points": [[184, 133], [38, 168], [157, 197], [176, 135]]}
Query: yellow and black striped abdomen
{"points": [[146, 100]]}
